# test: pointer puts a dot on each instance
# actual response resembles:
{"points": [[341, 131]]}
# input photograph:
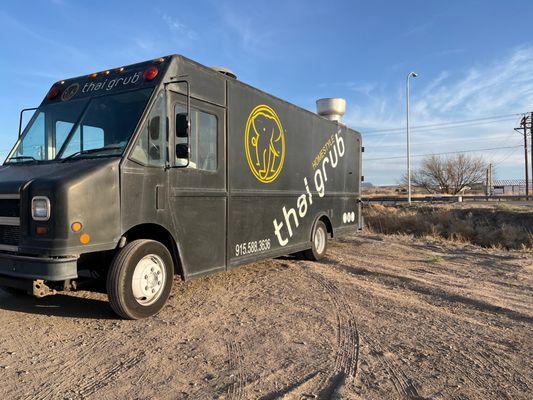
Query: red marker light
{"points": [[150, 73], [52, 94]]}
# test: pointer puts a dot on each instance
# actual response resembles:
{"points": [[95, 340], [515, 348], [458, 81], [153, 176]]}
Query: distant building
{"points": [[510, 186]]}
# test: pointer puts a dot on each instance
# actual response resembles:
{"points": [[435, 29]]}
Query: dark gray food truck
{"points": [[167, 167]]}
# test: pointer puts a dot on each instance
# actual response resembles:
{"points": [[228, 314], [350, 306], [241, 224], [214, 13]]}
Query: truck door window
{"points": [[152, 145], [202, 140]]}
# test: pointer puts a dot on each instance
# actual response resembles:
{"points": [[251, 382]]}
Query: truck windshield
{"points": [[96, 127]]}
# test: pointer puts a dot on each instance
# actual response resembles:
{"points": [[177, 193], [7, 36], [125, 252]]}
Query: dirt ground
{"points": [[381, 318]]}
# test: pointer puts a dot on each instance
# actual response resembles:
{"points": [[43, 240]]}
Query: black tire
{"points": [[14, 291], [120, 279], [314, 253]]}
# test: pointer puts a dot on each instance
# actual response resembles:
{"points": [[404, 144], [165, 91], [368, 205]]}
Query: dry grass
{"points": [[506, 227]]}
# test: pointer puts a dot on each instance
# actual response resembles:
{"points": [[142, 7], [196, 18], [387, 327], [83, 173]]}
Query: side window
{"points": [[34, 143], [151, 147], [202, 141]]}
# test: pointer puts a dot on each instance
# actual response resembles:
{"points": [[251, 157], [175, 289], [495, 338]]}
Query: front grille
{"points": [[9, 235], [9, 208]]}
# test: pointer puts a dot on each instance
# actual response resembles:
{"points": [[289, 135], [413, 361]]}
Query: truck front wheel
{"points": [[140, 278], [319, 242]]}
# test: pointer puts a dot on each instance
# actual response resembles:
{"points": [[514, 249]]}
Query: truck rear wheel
{"points": [[319, 241], [140, 278]]}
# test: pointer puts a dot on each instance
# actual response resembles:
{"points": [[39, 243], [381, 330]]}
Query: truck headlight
{"points": [[40, 208]]}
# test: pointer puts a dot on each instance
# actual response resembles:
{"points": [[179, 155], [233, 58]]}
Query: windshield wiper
{"points": [[91, 151], [21, 158]]}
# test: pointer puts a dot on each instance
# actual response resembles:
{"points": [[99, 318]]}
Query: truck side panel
{"points": [[287, 167]]}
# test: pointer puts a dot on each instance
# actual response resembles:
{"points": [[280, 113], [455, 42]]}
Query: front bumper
{"points": [[45, 268]]}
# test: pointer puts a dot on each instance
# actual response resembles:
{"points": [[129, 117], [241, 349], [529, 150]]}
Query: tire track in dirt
{"points": [[403, 385], [297, 390], [490, 361], [236, 390], [59, 366], [103, 377], [481, 366], [505, 368], [347, 347], [21, 348]]}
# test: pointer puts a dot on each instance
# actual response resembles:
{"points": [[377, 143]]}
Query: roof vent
{"points": [[331, 108], [225, 71]]}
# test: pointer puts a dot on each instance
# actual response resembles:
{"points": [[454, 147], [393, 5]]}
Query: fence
{"points": [[447, 199]]}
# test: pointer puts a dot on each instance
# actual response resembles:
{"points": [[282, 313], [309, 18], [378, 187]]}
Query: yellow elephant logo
{"points": [[264, 141]]}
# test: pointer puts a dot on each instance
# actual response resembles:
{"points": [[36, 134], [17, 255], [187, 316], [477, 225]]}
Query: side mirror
{"points": [[21, 116], [154, 152], [153, 128], [182, 126], [182, 151]]}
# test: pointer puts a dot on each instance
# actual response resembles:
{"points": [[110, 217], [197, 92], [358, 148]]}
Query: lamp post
{"points": [[413, 75]]}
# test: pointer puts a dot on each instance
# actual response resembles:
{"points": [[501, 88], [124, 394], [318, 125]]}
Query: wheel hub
{"points": [[148, 279], [320, 240]]}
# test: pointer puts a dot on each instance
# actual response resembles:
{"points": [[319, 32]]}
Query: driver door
{"points": [[197, 185]]}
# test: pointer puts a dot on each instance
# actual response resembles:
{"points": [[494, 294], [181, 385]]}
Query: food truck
{"points": [[137, 174]]}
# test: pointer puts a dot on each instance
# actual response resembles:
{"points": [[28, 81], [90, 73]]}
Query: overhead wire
{"points": [[441, 154], [447, 124]]}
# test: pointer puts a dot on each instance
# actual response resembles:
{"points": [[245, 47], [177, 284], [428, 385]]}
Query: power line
{"points": [[442, 154], [462, 139], [437, 127], [454, 122], [504, 158], [448, 124]]}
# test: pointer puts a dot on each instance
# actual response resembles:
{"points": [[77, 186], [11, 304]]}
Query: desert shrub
{"points": [[507, 227]]}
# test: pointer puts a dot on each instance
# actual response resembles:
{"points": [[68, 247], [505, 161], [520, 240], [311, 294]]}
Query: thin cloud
{"points": [[448, 52], [253, 38], [364, 88], [145, 44], [179, 27], [12, 24], [501, 87], [420, 28]]}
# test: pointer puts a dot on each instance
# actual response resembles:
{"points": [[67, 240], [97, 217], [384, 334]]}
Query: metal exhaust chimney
{"points": [[332, 108]]}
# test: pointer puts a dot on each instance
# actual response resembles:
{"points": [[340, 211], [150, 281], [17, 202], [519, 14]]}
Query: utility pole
{"points": [[488, 189], [525, 157], [487, 182], [410, 75], [531, 141], [523, 125]]}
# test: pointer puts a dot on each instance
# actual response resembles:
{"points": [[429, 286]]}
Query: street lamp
{"points": [[413, 75]]}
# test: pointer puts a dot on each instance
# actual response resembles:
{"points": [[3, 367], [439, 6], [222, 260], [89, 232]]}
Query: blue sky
{"points": [[475, 60]]}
